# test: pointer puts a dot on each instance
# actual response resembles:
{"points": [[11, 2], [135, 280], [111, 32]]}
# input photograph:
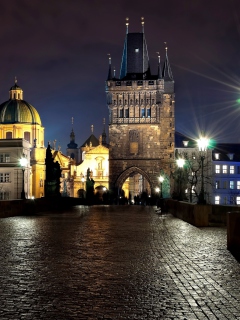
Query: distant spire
{"points": [[72, 121], [142, 23], [15, 79], [127, 24], [114, 73], [104, 136], [167, 72], [110, 67], [159, 66], [92, 128]]}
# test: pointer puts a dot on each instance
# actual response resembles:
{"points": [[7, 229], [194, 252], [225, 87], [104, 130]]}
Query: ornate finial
{"points": [[15, 79], [72, 120], [166, 46], [104, 121], [158, 57], [114, 72], [92, 128], [142, 22], [109, 58], [127, 24]]}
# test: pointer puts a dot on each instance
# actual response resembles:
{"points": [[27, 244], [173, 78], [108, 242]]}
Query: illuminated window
{"points": [[232, 169], [238, 200], [224, 168], [238, 184], [148, 113], [231, 184], [143, 112], [137, 50], [217, 185], [217, 200], [216, 156], [217, 168]]}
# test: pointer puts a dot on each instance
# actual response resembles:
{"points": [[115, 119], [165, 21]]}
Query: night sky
{"points": [[58, 51]]}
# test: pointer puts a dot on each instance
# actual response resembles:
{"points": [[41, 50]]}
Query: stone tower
{"points": [[141, 116]]}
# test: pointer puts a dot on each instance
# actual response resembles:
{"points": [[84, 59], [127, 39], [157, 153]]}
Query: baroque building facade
{"points": [[21, 135], [141, 117]]}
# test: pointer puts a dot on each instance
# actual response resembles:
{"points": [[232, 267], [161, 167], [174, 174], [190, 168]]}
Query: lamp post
{"points": [[23, 163], [161, 178], [180, 163], [202, 146]]}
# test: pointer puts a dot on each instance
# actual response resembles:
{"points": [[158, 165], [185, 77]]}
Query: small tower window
{"points": [[149, 113], [121, 113], [137, 50], [143, 113]]}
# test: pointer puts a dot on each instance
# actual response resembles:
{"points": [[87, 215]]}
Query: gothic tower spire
{"points": [[167, 72], [135, 60], [110, 67]]}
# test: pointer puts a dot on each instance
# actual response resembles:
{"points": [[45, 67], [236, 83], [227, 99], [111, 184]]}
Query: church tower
{"points": [[141, 117]]}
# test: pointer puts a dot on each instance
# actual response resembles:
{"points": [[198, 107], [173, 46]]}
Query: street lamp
{"points": [[23, 163], [202, 146], [161, 178], [180, 164]]}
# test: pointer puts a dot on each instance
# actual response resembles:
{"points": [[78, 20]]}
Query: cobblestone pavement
{"points": [[115, 262]]}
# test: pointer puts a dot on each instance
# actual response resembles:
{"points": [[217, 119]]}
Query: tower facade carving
{"points": [[141, 115]]}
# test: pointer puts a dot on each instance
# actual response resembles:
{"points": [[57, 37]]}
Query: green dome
{"points": [[18, 111]]}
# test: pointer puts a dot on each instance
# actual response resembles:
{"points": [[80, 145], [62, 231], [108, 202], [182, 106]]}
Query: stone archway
{"points": [[126, 173]]}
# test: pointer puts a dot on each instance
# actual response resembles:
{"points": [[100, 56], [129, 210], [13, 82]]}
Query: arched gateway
{"points": [[141, 115]]}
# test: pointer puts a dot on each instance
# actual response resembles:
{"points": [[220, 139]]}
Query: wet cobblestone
{"points": [[115, 262]]}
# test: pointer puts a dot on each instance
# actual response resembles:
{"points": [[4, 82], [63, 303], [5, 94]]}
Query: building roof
{"points": [[18, 111], [227, 152], [91, 141]]}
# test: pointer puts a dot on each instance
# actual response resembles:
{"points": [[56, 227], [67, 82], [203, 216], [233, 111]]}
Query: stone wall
{"points": [[200, 215], [233, 235]]}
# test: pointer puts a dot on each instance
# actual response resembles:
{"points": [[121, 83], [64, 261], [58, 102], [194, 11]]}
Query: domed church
{"points": [[21, 136]]}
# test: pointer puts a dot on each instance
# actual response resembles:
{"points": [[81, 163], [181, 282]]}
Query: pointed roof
{"points": [[92, 140], [109, 68], [159, 66], [135, 58], [72, 144], [167, 72]]}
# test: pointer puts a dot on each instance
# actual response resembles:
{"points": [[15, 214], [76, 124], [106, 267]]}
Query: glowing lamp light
{"points": [[161, 179], [23, 162], [203, 143], [180, 162], [157, 189]]}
